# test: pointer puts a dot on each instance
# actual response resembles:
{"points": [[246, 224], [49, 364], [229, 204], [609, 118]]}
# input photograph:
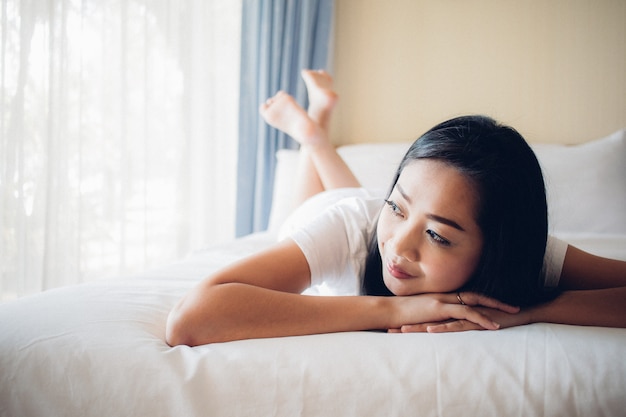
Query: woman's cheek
{"points": [[382, 232], [447, 274]]}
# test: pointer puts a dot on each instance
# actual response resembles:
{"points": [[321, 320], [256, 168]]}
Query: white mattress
{"points": [[98, 349]]}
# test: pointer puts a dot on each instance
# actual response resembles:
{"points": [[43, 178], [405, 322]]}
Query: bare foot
{"points": [[284, 113], [322, 97]]}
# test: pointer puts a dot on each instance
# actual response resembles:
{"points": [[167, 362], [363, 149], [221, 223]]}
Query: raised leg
{"points": [[321, 168]]}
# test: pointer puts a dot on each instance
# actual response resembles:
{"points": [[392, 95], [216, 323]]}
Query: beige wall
{"points": [[554, 69]]}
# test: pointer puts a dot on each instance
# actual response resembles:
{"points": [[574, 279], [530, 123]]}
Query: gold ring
{"points": [[458, 297]]}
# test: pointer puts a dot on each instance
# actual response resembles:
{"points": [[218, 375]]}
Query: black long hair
{"points": [[512, 212]]}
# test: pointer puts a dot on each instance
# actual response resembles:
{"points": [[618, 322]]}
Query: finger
{"points": [[453, 326], [394, 331], [473, 299], [415, 328], [466, 312]]}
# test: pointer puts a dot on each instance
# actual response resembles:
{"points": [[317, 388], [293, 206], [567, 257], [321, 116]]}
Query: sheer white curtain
{"points": [[118, 147]]}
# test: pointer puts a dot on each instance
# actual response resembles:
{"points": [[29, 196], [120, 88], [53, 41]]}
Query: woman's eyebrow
{"points": [[445, 220], [431, 216], [403, 194]]}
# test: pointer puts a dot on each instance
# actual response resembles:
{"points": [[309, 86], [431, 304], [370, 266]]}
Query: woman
{"points": [[461, 234]]}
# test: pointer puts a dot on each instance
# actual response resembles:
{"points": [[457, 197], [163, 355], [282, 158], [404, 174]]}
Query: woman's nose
{"points": [[406, 245]]}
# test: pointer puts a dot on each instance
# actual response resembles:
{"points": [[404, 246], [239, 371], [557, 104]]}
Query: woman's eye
{"points": [[394, 208], [437, 238]]}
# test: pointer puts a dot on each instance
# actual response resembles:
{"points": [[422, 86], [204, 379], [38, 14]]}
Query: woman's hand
{"points": [[459, 312]]}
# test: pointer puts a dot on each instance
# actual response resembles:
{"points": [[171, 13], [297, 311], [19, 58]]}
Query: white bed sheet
{"points": [[98, 349]]}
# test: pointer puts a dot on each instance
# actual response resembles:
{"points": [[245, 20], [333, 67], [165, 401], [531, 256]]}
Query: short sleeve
{"points": [[335, 244], [553, 261]]}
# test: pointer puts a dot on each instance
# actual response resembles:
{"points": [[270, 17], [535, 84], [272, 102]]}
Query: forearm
{"points": [[603, 307], [236, 311]]}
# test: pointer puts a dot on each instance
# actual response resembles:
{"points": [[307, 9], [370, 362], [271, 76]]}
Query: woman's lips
{"points": [[397, 272]]}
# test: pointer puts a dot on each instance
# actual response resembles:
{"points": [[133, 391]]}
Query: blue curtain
{"points": [[279, 38]]}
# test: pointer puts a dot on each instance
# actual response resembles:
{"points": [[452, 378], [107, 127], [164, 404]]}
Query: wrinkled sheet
{"points": [[98, 349]]}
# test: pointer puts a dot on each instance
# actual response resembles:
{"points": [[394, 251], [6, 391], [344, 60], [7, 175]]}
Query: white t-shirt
{"points": [[334, 229]]}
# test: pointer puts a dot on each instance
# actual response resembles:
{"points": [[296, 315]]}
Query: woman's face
{"points": [[428, 237]]}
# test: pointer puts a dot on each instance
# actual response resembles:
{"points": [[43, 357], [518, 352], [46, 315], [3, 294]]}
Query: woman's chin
{"points": [[399, 287]]}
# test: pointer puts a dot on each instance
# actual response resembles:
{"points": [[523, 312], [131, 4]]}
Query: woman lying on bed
{"points": [[460, 242]]}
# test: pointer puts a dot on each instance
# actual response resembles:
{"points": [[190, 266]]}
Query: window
{"points": [[119, 136]]}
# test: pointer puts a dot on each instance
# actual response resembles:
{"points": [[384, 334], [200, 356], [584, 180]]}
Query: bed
{"points": [[98, 349]]}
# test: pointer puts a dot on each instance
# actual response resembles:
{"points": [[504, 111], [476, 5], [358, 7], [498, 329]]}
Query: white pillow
{"points": [[586, 184], [284, 183]]}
